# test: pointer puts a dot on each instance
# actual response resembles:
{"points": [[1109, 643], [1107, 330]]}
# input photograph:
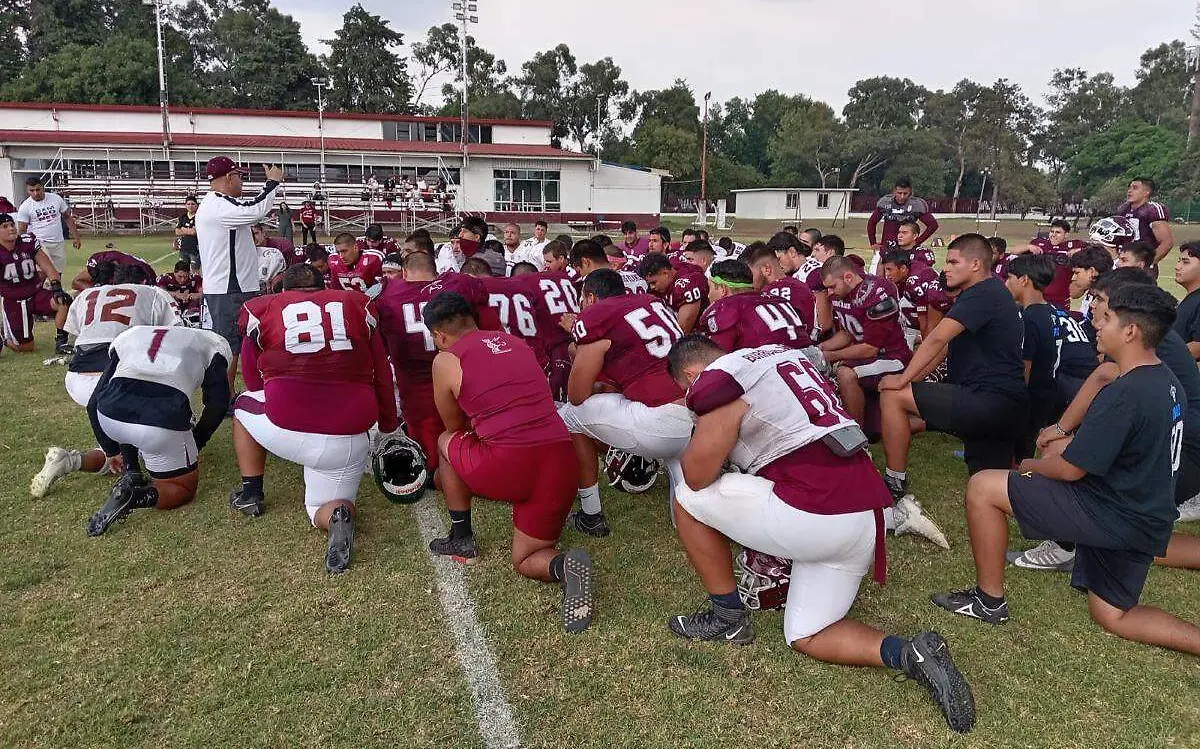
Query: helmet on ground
{"points": [[762, 580], [630, 473], [399, 468], [1113, 231]]}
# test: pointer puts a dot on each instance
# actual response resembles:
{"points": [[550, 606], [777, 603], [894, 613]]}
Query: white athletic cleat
{"points": [[1047, 555], [1189, 511], [910, 518], [59, 463]]}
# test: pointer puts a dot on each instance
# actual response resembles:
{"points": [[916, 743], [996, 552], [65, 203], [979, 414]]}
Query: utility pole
{"points": [[162, 87], [463, 13], [704, 158], [1194, 119]]}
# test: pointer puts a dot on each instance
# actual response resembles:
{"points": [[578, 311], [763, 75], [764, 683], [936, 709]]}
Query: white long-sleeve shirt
{"points": [[228, 254]]}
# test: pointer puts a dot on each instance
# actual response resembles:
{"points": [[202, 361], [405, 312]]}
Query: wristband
{"points": [[1060, 430]]}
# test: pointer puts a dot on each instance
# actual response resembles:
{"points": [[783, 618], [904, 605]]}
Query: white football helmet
{"points": [[1113, 231], [762, 580]]}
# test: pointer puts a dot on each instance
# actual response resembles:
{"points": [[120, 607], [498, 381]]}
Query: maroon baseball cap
{"points": [[219, 166]]}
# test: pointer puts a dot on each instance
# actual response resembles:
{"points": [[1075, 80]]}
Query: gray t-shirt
{"points": [[44, 217]]}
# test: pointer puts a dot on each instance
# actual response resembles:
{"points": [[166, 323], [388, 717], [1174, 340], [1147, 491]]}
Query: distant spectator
{"points": [[42, 215], [185, 232], [286, 230], [308, 222]]}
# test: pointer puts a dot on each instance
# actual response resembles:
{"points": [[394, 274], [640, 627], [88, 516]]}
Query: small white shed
{"points": [[793, 203]]}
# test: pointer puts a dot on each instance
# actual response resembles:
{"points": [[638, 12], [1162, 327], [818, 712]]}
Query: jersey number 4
{"points": [[304, 327]]}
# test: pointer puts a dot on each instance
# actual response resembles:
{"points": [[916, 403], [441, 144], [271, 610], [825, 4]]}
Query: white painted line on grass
{"points": [[492, 711], [164, 257]]}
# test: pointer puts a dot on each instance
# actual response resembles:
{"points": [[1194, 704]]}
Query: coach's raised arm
{"points": [[228, 254]]}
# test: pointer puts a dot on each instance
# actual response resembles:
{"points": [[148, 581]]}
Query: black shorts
{"points": [[988, 424], [223, 311], [1046, 509], [1187, 478]]}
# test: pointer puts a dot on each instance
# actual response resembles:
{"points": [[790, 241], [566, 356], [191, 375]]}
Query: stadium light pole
{"points": [[162, 87], [464, 14], [322, 83], [704, 158]]}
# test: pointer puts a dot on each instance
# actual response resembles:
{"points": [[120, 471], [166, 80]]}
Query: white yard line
{"points": [[492, 711], [156, 261]]}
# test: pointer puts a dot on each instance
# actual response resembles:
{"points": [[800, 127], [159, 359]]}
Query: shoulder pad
{"points": [[883, 308]]}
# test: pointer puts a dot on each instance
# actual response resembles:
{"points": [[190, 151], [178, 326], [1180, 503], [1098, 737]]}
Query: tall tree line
{"points": [[1082, 143]]}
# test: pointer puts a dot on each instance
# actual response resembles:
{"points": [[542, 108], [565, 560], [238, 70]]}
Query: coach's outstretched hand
{"points": [[274, 173]]}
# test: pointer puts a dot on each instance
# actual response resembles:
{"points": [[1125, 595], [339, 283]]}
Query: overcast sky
{"points": [[815, 47]]}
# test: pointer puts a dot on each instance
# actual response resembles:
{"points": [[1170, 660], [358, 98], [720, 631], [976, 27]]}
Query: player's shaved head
{"points": [[478, 267], [556, 249], [973, 247], [691, 352], [653, 264], [838, 265], [586, 248], [757, 253], [523, 268], [420, 262], [419, 243], [448, 313], [603, 283], [344, 239], [303, 277], [129, 274]]}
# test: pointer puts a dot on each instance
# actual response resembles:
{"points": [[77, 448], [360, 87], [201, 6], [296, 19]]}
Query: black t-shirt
{"points": [[1187, 318], [1129, 443], [1174, 353], [986, 357], [1039, 348], [188, 242]]}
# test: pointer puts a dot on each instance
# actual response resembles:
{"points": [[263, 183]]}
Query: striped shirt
{"points": [[227, 251]]}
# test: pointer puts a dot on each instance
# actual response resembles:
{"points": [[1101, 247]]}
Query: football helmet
{"points": [[1113, 231], [399, 467], [762, 580], [630, 473]]}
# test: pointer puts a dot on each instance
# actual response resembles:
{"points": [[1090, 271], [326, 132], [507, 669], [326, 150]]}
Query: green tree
{"points": [[545, 80], [598, 85], [367, 72], [665, 146], [948, 115], [122, 70], [880, 114], [56, 24], [1162, 95], [674, 106], [806, 146], [1125, 151], [13, 25], [436, 56]]}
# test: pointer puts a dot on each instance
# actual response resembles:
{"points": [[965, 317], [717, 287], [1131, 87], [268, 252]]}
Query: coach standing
{"points": [[227, 251], [42, 215]]}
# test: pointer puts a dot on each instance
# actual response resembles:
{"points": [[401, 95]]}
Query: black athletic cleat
{"points": [[926, 660], [131, 492], [461, 550], [593, 524], [62, 347], [706, 625], [250, 505], [341, 541], [898, 487], [969, 603], [577, 603]]}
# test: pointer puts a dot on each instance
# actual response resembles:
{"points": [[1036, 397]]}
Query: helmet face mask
{"points": [[630, 473], [400, 470], [763, 580]]}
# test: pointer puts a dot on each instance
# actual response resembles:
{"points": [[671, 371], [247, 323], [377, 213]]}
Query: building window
{"points": [[793, 200], [822, 200], [527, 191]]}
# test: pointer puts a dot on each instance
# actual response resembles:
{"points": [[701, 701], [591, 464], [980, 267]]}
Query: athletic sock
{"points": [[129, 454], [898, 475], [889, 518], [460, 524], [890, 649], [556, 567], [727, 606], [60, 336], [1066, 545], [252, 485], [589, 499], [990, 601]]}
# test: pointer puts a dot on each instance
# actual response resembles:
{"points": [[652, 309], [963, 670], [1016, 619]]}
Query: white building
{"points": [[112, 163], [793, 204]]}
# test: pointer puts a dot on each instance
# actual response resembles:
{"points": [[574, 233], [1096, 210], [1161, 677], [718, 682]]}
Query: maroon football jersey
{"points": [[520, 310], [796, 293], [292, 254], [386, 246], [921, 291], [168, 283], [504, 391], [1058, 292], [409, 343], [920, 254], [559, 297], [18, 268], [640, 330], [871, 315], [687, 289], [752, 320], [365, 273], [1143, 216], [121, 258]]}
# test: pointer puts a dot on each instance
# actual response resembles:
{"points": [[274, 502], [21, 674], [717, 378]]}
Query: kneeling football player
{"points": [[505, 441], [297, 345], [809, 493], [142, 405]]}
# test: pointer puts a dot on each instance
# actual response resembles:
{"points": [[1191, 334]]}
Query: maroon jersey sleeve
{"points": [[640, 331], [720, 323], [687, 289]]}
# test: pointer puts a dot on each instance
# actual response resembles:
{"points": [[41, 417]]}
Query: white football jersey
{"points": [[634, 284], [808, 266], [791, 403], [270, 264], [172, 356], [101, 313]]}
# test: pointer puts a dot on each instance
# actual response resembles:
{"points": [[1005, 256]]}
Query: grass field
{"points": [[200, 628]]}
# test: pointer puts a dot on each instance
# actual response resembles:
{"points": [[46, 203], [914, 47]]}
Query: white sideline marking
{"points": [[492, 711], [164, 257]]}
